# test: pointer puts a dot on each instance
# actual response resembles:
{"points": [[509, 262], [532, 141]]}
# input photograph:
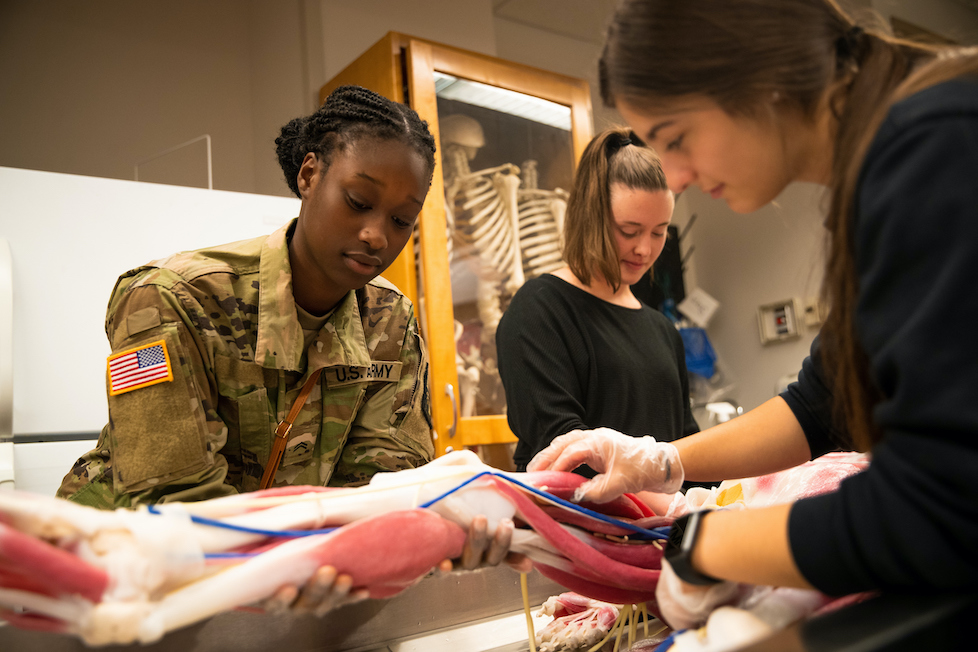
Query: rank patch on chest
{"points": [[377, 371], [140, 367]]}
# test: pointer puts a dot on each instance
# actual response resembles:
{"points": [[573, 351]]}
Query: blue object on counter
{"points": [[669, 310], [700, 356], [667, 642]]}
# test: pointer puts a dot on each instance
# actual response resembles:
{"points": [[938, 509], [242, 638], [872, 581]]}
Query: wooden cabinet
{"points": [[509, 138]]}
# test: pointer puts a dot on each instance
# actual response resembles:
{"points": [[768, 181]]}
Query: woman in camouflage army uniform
{"points": [[211, 348]]}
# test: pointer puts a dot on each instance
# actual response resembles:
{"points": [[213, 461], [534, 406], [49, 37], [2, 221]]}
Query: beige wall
{"points": [[559, 53], [90, 88], [351, 26], [746, 261], [279, 85], [950, 18]]}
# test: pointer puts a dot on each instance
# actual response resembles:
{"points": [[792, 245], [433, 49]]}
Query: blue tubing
{"points": [[642, 534], [201, 520], [668, 641]]}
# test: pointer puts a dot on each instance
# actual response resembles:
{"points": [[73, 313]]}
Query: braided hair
{"points": [[349, 114]]}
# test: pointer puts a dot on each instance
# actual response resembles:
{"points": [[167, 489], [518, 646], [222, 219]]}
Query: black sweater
{"points": [[570, 360], [910, 519]]}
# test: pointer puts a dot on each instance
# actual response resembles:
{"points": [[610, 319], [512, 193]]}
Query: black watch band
{"points": [[679, 549]]}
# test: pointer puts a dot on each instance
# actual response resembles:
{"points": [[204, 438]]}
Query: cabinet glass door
{"points": [[509, 139], [507, 159]]}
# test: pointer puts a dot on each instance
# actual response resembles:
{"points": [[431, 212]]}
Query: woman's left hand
{"points": [[684, 605], [326, 590]]}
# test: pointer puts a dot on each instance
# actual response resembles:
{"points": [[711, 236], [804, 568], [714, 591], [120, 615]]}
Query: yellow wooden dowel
{"points": [[531, 635]]}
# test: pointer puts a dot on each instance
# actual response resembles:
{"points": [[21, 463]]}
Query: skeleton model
{"points": [[482, 206], [469, 368], [511, 227], [541, 220]]}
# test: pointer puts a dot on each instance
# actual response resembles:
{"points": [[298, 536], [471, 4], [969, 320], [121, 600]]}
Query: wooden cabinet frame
{"points": [[402, 68]]}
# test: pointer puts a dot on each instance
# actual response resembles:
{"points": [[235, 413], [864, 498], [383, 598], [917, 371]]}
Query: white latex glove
{"points": [[685, 605], [624, 464]]}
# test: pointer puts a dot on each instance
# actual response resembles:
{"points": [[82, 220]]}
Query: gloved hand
{"points": [[624, 464], [326, 590], [480, 550], [685, 605]]}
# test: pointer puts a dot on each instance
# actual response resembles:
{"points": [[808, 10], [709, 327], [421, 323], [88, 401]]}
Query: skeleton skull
{"points": [[462, 130]]}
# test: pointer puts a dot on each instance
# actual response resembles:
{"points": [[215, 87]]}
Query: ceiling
{"points": [[584, 20]]}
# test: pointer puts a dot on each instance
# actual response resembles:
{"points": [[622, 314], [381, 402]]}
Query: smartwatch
{"points": [[679, 549]]}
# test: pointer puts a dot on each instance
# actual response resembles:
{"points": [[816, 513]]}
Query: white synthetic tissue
{"points": [[818, 476], [578, 624]]}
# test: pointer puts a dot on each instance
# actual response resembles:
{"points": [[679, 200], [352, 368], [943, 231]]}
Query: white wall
{"points": [[90, 88], [745, 261], [70, 238], [549, 51]]}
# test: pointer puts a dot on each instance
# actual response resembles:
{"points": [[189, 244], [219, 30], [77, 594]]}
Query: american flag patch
{"points": [[136, 368]]}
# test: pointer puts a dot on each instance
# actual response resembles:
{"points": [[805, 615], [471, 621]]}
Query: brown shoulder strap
{"points": [[283, 429]]}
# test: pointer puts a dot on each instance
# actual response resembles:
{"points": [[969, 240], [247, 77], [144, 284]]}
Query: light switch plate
{"points": [[779, 321]]}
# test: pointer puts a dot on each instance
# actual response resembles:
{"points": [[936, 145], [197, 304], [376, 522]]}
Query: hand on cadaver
{"points": [[624, 464], [685, 605], [325, 591], [482, 550]]}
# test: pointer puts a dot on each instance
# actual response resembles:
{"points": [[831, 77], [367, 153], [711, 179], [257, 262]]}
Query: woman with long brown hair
{"points": [[741, 98]]}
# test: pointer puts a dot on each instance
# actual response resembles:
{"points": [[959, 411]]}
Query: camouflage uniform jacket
{"points": [[228, 322]]}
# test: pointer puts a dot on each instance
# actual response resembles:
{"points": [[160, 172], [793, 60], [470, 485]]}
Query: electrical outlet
{"points": [[815, 312]]}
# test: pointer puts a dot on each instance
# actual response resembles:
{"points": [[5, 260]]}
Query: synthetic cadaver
{"points": [[133, 575]]}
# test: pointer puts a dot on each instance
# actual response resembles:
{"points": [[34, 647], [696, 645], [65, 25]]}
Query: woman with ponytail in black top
{"points": [[577, 350]]}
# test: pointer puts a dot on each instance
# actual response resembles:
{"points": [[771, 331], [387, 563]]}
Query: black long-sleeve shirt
{"points": [[910, 519], [569, 360]]}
